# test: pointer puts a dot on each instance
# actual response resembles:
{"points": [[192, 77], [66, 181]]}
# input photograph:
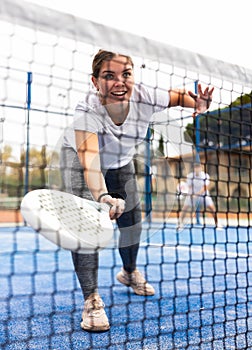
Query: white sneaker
{"points": [[136, 281], [94, 318]]}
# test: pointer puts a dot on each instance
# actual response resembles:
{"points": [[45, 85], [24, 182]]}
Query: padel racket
{"points": [[71, 222]]}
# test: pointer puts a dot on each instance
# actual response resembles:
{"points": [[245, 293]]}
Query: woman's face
{"points": [[115, 81]]}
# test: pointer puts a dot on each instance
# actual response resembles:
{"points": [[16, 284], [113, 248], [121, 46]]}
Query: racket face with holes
{"points": [[71, 222]]}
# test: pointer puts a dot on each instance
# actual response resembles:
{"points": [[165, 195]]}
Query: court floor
{"points": [[203, 300]]}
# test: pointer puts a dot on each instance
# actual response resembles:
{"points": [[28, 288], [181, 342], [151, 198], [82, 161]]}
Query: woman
{"points": [[107, 127]]}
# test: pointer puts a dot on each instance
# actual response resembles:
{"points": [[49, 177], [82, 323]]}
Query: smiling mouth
{"points": [[118, 93]]}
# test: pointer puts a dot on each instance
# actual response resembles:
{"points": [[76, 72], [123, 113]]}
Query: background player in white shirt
{"points": [[198, 195]]}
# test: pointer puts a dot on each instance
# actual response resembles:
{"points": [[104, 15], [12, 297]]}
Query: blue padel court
{"points": [[203, 294]]}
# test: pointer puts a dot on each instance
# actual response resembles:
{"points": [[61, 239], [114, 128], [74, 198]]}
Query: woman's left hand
{"points": [[203, 99]]}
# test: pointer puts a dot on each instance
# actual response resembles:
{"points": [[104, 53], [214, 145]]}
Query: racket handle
{"points": [[109, 204], [111, 194]]}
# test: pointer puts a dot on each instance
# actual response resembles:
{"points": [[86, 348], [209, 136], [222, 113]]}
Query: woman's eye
{"points": [[108, 76], [126, 74]]}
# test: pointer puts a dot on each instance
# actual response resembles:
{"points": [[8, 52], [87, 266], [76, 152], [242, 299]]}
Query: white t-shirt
{"points": [[196, 182], [117, 143]]}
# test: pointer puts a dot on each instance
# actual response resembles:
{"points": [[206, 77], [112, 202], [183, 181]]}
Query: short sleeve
{"points": [[85, 119], [157, 98]]}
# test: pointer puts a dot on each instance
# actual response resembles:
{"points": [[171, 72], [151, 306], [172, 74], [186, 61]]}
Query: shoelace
{"points": [[137, 278], [94, 307]]}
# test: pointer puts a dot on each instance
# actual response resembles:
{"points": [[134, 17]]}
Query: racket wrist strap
{"points": [[112, 194], [102, 195]]}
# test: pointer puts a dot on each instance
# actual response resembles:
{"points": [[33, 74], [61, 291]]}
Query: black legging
{"points": [[120, 181]]}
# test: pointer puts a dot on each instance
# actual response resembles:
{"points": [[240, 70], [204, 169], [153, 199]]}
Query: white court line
{"points": [[202, 249]]}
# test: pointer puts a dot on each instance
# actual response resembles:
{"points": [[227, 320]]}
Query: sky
{"points": [[217, 28]]}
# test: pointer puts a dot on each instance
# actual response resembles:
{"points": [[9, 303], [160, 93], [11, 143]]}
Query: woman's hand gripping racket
{"points": [[116, 203], [71, 222]]}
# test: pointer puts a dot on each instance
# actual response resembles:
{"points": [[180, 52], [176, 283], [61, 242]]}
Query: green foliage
{"points": [[161, 145], [243, 100], [189, 135], [229, 126], [13, 172]]}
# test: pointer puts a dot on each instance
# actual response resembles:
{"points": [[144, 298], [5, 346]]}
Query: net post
{"points": [[28, 107], [148, 201], [197, 142]]}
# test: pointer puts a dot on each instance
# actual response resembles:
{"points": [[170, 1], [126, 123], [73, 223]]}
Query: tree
{"points": [[10, 173], [242, 100], [226, 126], [161, 145]]}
